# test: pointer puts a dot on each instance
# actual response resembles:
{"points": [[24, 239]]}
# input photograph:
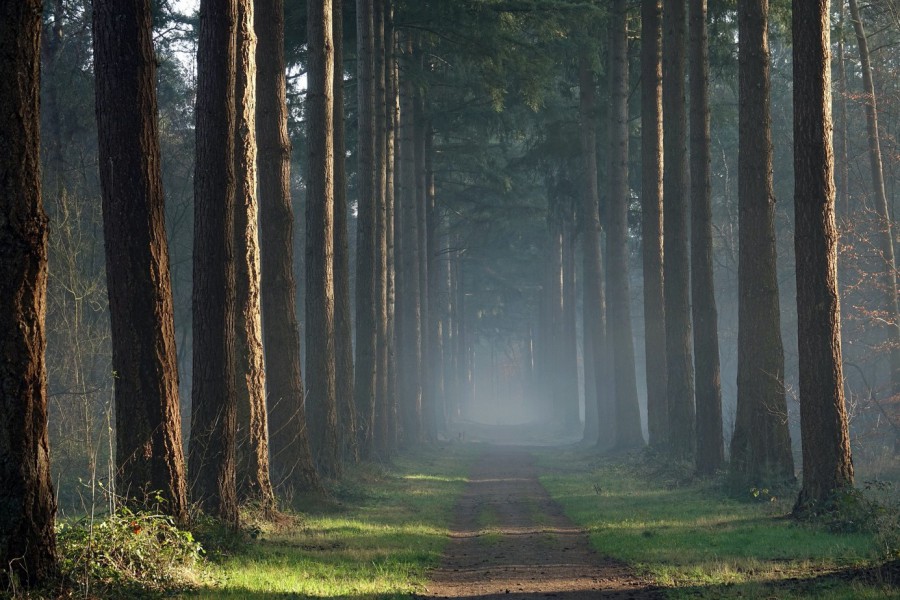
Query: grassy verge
{"points": [[698, 543], [385, 528]]}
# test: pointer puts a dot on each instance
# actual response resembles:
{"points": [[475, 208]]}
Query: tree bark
{"points": [[252, 444], [761, 444], [627, 411], [679, 367], [381, 247], [366, 326], [343, 333], [888, 271], [291, 461], [420, 131], [652, 222], [213, 419], [710, 441], [321, 405], [823, 418], [843, 159], [27, 537], [435, 315], [149, 452]]}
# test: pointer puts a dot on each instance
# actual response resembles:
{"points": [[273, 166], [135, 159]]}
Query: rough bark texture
{"points": [[366, 333], [343, 319], [321, 406], [381, 259], [843, 160], [888, 271], [212, 453], [628, 416], [652, 222], [252, 443], [291, 460], [420, 130], [149, 453], [679, 366], [27, 502], [761, 444], [823, 418], [710, 442]]}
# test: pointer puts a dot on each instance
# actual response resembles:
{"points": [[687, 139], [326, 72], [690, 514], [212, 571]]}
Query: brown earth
{"points": [[511, 540]]}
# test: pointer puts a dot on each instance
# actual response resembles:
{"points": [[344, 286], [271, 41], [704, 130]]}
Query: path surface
{"points": [[510, 540]]}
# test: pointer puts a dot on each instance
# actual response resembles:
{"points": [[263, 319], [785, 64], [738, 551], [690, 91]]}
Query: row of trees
{"points": [[464, 177]]}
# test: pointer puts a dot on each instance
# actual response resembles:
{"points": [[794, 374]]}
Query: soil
{"points": [[511, 540]]}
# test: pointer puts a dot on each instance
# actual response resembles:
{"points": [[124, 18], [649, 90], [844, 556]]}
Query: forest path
{"points": [[511, 540]]}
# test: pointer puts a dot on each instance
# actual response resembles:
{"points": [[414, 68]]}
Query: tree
{"points": [[710, 443], [627, 412], [823, 418], [343, 334], [213, 419], [652, 221], [320, 367], [291, 461], [761, 444], [680, 375], [888, 270], [252, 442], [27, 538], [149, 453], [366, 327]]}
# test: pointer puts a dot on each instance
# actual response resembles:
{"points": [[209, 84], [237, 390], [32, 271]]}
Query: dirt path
{"points": [[510, 540]]}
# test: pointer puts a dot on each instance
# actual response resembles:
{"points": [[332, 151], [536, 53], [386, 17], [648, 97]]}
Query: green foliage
{"points": [[127, 550]]}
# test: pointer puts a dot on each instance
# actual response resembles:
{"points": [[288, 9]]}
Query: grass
{"points": [[384, 530], [698, 543]]}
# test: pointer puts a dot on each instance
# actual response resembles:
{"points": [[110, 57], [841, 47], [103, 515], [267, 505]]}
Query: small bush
{"points": [[127, 549]]}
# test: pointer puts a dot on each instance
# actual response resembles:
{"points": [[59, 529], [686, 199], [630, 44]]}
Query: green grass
{"points": [[699, 543], [376, 541]]}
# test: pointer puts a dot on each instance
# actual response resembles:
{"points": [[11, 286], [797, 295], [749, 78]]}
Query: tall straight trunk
{"points": [[381, 260], [888, 271], [679, 366], [627, 411], [452, 333], [321, 404], [593, 312], [291, 460], [366, 331], [252, 443], [27, 536], [420, 129], [411, 344], [569, 332], [843, 158], [710, 441], [387, 412], [211, 461], [461, 334], [343, 333], [761, 444], [149, 452], [435, 316], [823, 418], [652, 222]]}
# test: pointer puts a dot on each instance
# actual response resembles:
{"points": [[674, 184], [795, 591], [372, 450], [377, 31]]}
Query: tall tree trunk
{"points": [[627, 411], [710, 442], [321, 403], [823, 419], [27, 537], [381, 260], [843, 159], [387, 426], [569, 331], [888, 271], [411, 345], [652, 222], [149, 452], [420, 129], [593, 311], [343, 333], [761, 444], [435, 315], [291, 460], [366, 332], [213, 419], [252, 444], [679, 367]]}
